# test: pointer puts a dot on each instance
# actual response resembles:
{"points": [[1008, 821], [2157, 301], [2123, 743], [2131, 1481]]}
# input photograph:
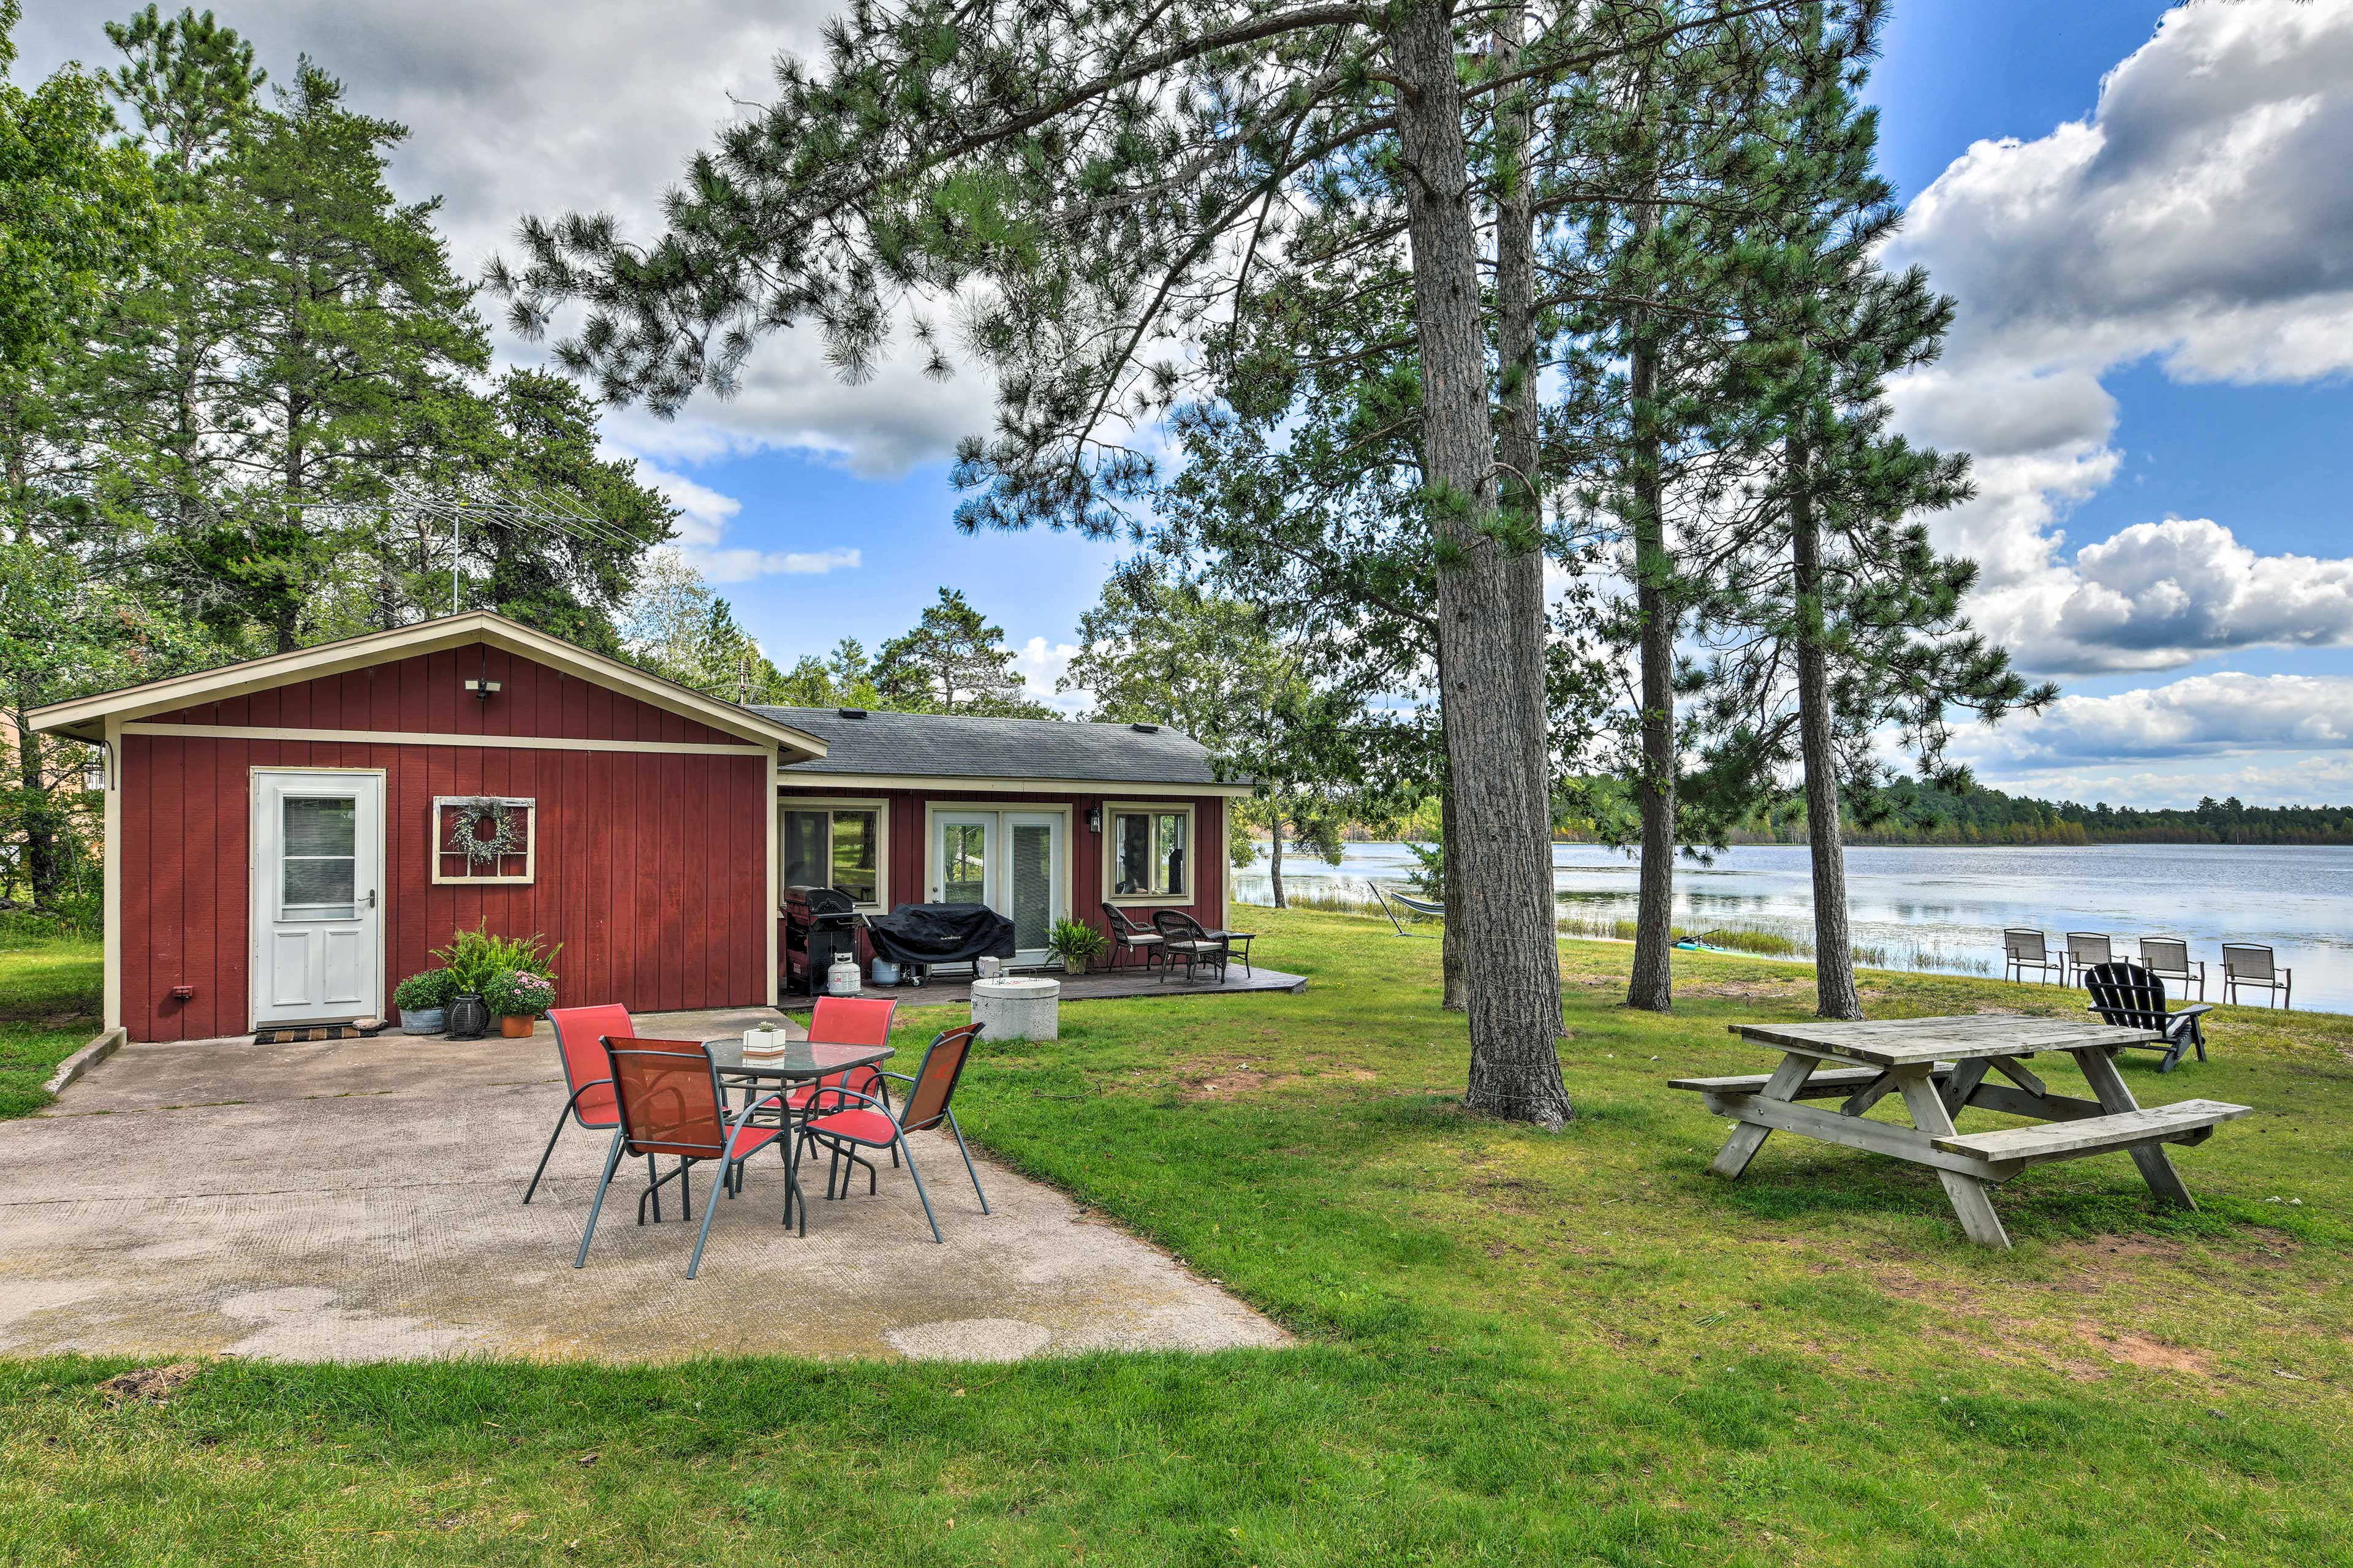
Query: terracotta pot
{"points": [[516, 1028]]}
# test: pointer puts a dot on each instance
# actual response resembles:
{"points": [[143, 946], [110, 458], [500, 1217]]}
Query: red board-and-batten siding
{"points": [[910, 847], [651, 866]]}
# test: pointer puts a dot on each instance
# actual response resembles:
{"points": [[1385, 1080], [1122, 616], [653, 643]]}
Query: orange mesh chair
{"points": [[667, 1093], [870, 1124], [579, 1034]]}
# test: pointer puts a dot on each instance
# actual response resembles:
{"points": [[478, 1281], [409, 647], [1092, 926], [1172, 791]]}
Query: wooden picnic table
{"points": [[1941, 1067]]}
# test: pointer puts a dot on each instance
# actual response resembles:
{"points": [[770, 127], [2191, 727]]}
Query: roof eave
{"points": [[84, 718]]}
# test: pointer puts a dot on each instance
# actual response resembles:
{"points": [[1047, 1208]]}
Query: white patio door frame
{"points": [[998, 822], [318, 962]]}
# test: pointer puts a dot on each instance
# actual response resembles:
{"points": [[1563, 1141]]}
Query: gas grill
{"points": [[820, 925]]}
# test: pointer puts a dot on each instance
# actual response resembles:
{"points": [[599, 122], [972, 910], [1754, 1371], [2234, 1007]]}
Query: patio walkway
{"points": [[1125, 981], [358, 1200]]}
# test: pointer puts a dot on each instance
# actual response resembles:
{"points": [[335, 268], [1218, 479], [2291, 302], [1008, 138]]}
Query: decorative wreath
{"points": [[472, 815]]}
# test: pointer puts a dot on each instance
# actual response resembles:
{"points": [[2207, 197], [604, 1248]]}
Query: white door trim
{"points": [[257, 929]]}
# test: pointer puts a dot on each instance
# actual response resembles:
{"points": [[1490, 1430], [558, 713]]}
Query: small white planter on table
{"points": [[1027, 1008]]}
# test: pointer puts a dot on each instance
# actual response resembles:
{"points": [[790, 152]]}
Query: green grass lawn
{"points": [[1514, 1347], [49, 1010]]}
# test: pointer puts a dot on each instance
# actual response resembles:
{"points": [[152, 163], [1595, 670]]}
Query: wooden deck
{"points": [[1097, 987]]}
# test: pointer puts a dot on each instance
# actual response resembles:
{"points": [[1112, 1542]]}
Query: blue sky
{"points": [[2154, 271]]}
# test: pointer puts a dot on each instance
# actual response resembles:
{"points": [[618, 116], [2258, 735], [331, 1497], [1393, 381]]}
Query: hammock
{"points": [[1426, 908]]}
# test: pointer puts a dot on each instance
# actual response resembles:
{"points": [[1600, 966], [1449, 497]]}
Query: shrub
{"points": [[425, 990], [512, 994], [476, 956]]}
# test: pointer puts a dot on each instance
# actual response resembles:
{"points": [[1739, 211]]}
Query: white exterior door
{"points": [[1013, 862], [318, 915]]}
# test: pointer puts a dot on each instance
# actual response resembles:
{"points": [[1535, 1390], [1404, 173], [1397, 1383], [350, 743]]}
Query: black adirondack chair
{"points": [[2129, 995]]}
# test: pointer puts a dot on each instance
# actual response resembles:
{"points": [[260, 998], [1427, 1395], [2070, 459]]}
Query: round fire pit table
{"points": [[1017, 1007]]}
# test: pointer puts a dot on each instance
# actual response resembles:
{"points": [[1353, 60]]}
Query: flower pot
{"points": [[1074, 966], [470, 1016], [516, 1028], [423, 1020]]}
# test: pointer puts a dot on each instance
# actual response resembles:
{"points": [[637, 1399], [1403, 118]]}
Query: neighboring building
{"points": [[286, 837]]}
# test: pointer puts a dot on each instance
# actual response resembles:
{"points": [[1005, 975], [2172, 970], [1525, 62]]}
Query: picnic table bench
{"points": [[1940, 1067]]}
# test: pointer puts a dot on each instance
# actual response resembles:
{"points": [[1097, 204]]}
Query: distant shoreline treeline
{"points": [[1910, 812]]}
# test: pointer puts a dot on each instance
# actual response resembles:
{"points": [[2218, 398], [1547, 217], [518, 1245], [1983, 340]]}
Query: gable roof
{"points": [[85, 717], [883, 746]]}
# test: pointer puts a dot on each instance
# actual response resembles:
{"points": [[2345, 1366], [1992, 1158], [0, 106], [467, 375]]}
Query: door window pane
{"points": [[318, 867], [321, 827], [964, 862], [1033, 883]]}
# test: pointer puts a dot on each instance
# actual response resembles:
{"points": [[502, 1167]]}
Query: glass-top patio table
{"points": [[801, 1060]]}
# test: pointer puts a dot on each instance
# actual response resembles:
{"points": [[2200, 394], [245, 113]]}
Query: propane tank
{"points": [[841, 979]]}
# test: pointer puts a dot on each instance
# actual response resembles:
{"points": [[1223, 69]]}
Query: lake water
{"points": [[1943, 909]]}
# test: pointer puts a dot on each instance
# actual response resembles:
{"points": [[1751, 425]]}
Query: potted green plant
{"points": [[1076, 943], [517, 997], [424, 1000], [475, 957]]}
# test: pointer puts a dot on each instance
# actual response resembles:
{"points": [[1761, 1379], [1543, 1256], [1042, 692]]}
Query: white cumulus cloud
{"points": [[2227, 714], [2200, 218]]}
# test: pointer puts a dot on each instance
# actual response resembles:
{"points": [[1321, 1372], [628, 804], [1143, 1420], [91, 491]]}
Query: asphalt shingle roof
{"points": [[935, 745]]}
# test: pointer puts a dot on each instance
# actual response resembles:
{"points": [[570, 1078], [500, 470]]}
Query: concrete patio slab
{"points": [[358, 1200]]}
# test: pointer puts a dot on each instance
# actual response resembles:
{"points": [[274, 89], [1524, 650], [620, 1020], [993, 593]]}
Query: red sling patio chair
{"points": [[873, 1125], [579, 1034], [667, 1094], [848, 1021]]}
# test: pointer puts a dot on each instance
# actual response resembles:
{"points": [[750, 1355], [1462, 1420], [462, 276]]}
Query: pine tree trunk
{"points": [[1491, 650], [1834, 990], [1652, 986], [1274, 858], [1454, 972], [1520, 491]]}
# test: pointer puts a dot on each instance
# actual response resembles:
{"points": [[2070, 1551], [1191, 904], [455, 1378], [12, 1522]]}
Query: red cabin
{"points": [[289, 837]]}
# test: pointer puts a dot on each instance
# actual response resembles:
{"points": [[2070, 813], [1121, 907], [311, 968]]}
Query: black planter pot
{"points": [[470, 1016]]}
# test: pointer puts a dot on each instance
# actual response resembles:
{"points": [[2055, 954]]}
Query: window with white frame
{"points": [[835, 843], [1150, 849]]}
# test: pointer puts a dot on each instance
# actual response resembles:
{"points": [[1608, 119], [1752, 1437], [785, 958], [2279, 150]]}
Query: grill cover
{"points": [[941, 934]]}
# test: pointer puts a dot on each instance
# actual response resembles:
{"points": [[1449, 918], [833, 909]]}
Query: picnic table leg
{"points": [[2109, 1089], [1964, 1083], [1749, 1137], [1969, 1198]]}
